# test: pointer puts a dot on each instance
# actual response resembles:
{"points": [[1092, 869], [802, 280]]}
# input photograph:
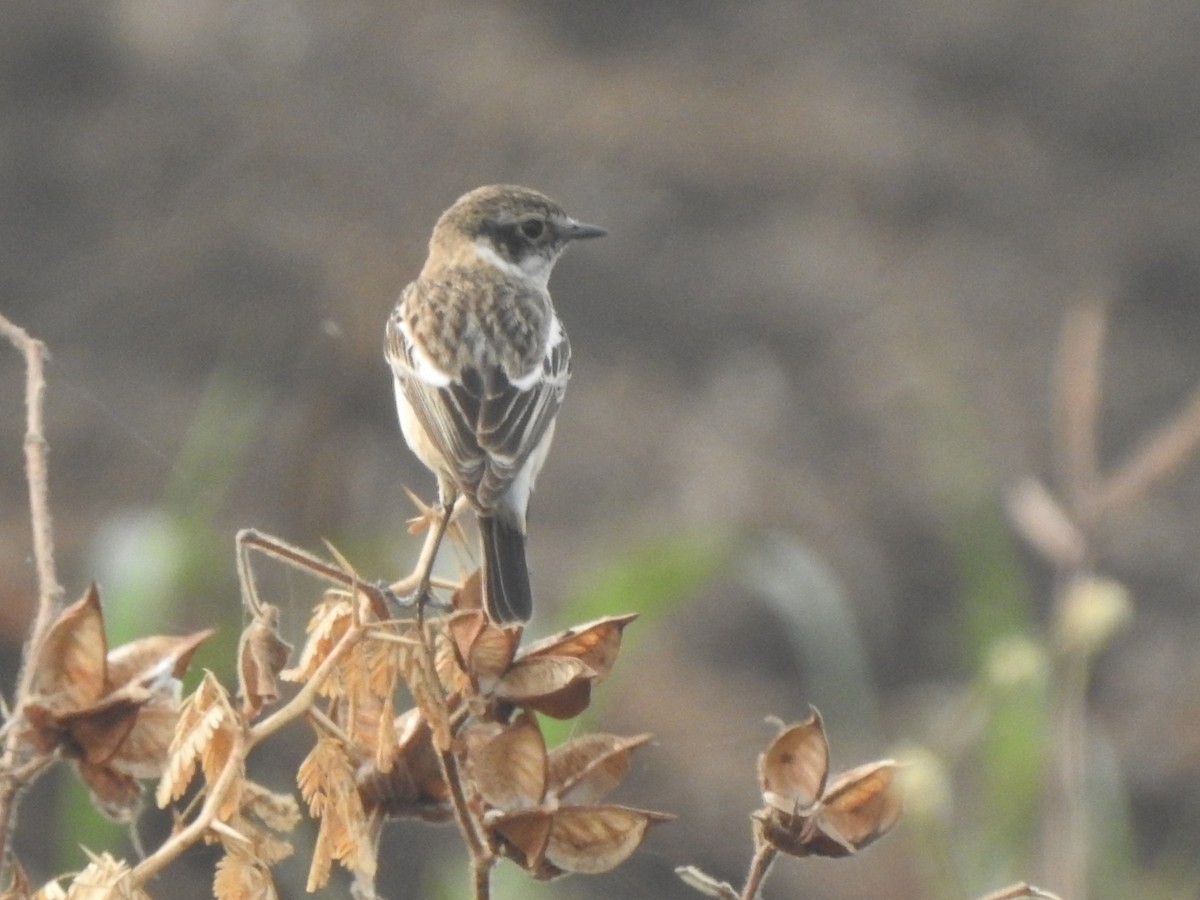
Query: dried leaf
{"points": [[485, 651], [279, 812], [115, 711], [524, 836], [470, 595], [249, 839], [105, 878], [385, 737], [507, 763], [860, 806], [205, 715], [96, 733], [587, 768], [793, 769], [262, 654], [330, 620], [447, 665], [239, 878], [594, 839], [427, 693], [153, 661], [364, 715], [412, 786], [596, 644], [326, 780], [385, 660], [69, 672], [558, 686], [145, 749], [117, 796]]}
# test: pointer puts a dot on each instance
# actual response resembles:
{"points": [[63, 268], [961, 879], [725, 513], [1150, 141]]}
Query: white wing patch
{"points": [[423, 367], [534, 375], [554, 338], [529, 379]]}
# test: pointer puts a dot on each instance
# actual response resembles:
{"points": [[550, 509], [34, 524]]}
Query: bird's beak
{"points": [[576, 231]]}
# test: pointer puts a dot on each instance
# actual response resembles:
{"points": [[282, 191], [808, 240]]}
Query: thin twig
{"points": [[1157, 458], [18, 767], [481, 875], [760, 866], [480, 851], [304, 561], [1038, 517], [50, 592], [321, 721], [481, 855], [1080, 355], [194, 830], [1076, 427], [1065, 841]]}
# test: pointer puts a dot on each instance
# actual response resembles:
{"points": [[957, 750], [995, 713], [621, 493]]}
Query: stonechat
{"points": [[480, 362]]}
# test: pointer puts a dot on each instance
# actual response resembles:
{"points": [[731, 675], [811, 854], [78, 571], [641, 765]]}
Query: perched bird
{"points": [[480, 362]]}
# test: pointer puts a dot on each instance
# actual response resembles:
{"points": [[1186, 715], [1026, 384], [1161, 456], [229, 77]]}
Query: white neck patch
{"points": [[533, 270]]}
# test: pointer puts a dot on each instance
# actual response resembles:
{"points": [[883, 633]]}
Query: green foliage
{"points": [[655, 578]]}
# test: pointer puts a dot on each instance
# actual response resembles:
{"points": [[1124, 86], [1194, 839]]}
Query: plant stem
{"points": [[764, 858], [20, 763], [194, 830]]}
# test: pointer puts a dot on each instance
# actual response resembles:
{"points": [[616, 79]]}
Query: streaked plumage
{"points": [[481, 362]]}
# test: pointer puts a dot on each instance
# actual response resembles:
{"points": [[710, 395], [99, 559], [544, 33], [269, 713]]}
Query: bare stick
{"points": [[1156, 459], [764, 858], [20, 763], [50, 592], [1041, 520], [298, 559], [194, 830], [481, 871], [1080, 353], [420, 579]]}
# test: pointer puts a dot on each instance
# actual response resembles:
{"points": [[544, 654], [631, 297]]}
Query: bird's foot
{"points": [[412, 593]]}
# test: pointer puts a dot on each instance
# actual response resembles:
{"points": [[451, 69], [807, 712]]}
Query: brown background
{"points": [[821, 333]]}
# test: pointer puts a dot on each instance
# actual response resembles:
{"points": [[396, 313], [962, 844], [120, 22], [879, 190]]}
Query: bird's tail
{"points": [[506, 592]]}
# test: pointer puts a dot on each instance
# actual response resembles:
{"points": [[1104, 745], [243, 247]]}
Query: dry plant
{"points": [[803, 813], [1065, 528], [468, 749], [420, 708]]}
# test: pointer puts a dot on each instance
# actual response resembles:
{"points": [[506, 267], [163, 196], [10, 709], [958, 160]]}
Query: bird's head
{"points": [[516, 230]]}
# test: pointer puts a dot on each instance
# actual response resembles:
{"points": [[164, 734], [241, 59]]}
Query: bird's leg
{"points": [[415, 588]]}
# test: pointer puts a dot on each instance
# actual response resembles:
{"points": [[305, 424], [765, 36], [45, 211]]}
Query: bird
{"points": [[480, 362]]}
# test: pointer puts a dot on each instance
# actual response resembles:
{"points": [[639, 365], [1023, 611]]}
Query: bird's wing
{"points": [[447, 423], [514, 416]]}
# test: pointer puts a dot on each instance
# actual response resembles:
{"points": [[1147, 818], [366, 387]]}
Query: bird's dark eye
{"points": [[533, 228]]}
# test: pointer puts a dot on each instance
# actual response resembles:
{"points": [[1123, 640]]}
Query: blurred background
{"points": [[812, 357]]}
